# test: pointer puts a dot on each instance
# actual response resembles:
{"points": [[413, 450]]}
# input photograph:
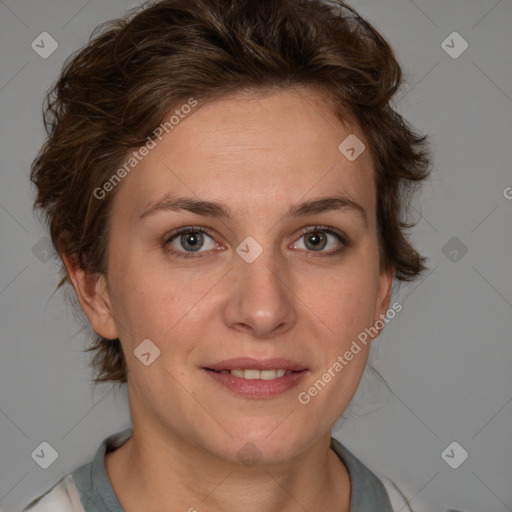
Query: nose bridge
{"points": [[260, 299]]}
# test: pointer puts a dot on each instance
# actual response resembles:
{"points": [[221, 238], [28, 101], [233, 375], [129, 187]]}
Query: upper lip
{"points": [[249, 363]]}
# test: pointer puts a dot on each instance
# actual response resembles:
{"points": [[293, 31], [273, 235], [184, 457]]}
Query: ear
{"points": [[91, 290], [383, 294]]}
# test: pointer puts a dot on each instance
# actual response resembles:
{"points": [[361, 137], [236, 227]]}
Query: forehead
{"points": [[257, 153]]}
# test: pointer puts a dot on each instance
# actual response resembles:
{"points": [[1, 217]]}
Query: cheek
{"points": [[344, 309], [344, 302], [162, 305]]}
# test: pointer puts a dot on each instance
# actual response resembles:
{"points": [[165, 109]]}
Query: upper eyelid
{"points": [[188, 229]]}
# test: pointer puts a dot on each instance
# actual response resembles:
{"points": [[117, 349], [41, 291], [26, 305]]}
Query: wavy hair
{"points": [[114, 92]]}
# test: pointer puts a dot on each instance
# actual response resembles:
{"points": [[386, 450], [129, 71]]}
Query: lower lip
{"points": [[257, 388]]}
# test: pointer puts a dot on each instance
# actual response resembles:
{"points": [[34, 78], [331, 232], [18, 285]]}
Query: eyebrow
{"points": [[219, 210]]}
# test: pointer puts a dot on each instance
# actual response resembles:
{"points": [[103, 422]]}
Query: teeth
{"points": [[257, 374]]}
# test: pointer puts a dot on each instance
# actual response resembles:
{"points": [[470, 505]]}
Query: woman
{"points": [[224, 182]]}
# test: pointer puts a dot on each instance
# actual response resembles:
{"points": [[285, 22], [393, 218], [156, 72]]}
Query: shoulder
{"points": [[398, 494], [397, 497], [77, 491], [62, 497], [367, 491], [371, 491]]}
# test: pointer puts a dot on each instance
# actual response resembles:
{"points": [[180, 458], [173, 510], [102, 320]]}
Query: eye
{"points": [[189, 240], [318, 238]]}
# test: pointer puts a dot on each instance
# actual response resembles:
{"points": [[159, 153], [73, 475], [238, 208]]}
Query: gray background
{"points": [[446, 356]]}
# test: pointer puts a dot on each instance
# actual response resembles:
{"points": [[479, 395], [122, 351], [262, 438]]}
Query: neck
{"points": [[150, 472]]}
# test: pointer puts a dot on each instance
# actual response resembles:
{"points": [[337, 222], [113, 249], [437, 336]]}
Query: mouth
{"points": [[253, 369], [257, 378]]}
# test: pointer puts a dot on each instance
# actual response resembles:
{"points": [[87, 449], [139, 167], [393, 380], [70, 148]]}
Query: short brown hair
{"points": [[113, 93]]}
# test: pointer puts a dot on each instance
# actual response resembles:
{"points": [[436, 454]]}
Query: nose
{"points": [[261, 300]]}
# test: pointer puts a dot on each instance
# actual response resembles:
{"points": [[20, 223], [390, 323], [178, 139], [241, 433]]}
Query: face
{"points": [[267, 280]]}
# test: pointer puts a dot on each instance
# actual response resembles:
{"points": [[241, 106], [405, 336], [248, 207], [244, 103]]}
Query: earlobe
{"points": [[92, 293]]}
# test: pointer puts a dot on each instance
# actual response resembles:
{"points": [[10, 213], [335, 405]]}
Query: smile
{"points": [[253, 384]]}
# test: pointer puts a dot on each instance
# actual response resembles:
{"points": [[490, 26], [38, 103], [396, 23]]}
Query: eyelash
{"points": [[193, 229]]}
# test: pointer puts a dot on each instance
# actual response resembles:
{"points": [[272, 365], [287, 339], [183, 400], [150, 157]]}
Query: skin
{"points": [[259, 155]]}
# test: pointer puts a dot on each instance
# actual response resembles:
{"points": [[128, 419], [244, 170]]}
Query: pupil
{"points": [[192, 240], [316, 240]]}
